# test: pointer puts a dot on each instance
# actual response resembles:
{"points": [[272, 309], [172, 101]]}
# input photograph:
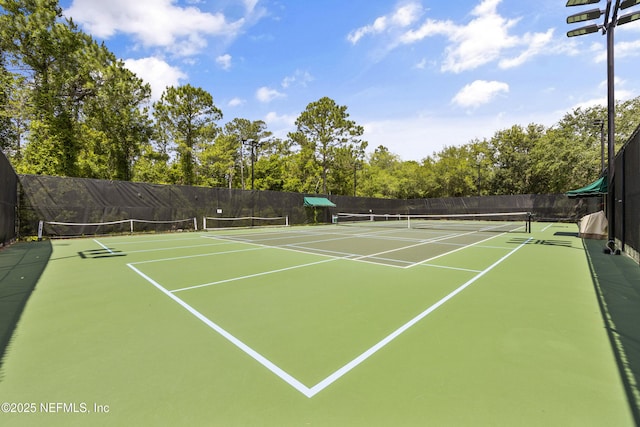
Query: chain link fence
{"points": [[626, 189], [8, 201], [89, 201]]}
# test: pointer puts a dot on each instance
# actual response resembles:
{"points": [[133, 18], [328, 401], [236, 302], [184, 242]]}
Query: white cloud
{"points": [[236, 102], [403, 16], [157, 73], [280, 124], [250, 5], [479, 92], [224, 61], [487, 38], [154, 23], [534, 45], [599, 95], [406, 15], [481, 41], [422, 64], [299, 77], [265, 94], [622, 50], [273, 118]]}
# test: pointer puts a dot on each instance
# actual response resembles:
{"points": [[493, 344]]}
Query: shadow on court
{"points": [[544, 242], [100, 253], [21, 265], [617, 282]]}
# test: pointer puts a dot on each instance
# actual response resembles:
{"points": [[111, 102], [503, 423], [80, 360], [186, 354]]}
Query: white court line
{"points": [[456, 250], [364, 356], [319, 252], [173, 248], [198, 256], [136, 240], [289, 379], [434, 240], [103, 246], [264, 273], [373, 233], [548, 226], [242, 346], [324, 239], [297, 247], [450, 268]]}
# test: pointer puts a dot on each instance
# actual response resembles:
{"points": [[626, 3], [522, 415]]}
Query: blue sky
{"points": [[418, 75]]}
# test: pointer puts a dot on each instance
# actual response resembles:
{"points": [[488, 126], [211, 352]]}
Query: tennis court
{"points": [[372, 324]]}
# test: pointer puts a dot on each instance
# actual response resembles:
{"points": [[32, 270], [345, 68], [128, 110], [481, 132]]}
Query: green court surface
{"points": [[315, 326]]}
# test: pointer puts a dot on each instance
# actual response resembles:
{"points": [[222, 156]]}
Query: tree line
{"points": [[70, 107]]}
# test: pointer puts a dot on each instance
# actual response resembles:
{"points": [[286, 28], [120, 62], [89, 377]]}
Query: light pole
{"points": [[479, 158], [252, 143], [611, 20], [355, 178], [600, 124]]}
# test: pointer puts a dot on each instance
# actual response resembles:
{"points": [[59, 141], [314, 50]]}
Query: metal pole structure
{"points": [[253, 159], [252, 144], [355, 172], [242, 141], [611, 115], [611, 20], [601, 146], [600, 123]]}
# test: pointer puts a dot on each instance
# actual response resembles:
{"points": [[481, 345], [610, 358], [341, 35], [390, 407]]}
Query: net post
{"points": [[40, 229], [408, 221], [131, 222], [204, 222], [529, 215], [286, 221], [195, 223]]}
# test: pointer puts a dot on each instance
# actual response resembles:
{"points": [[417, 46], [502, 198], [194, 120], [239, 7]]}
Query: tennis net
{"points": [[55, 229], [485, 222], [216, 223]]}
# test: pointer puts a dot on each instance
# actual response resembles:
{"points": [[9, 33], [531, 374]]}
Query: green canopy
{"points": [[318, 202], [597, 188]]}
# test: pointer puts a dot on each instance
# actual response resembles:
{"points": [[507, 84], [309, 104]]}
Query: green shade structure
{"points": [[595, 189], [318, 202]]}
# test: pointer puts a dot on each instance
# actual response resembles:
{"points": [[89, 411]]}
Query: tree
{"points": [[568, 155], [510, 151], [151, 166], [9, 126], [116, 112], [274, 164], [38, 42], [381, 179], [250, 135], [454, 171], [185, 116], [303, 174], [325, 125], [218, 161], [75, 104]]}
